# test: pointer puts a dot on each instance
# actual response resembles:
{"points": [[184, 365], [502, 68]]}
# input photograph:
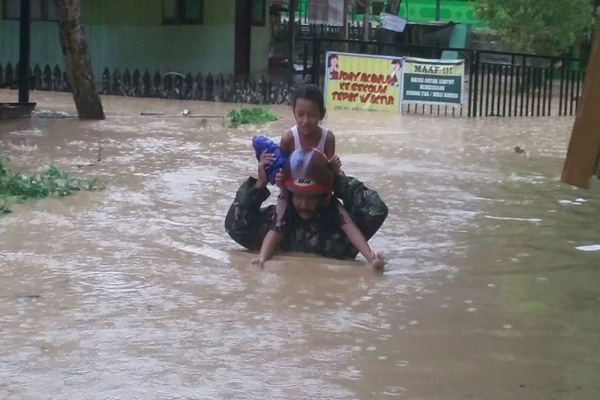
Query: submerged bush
{"points": [[255, 115], [16, 187]]}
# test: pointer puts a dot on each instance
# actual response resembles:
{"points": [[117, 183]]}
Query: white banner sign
{"points": [[392, 22]]}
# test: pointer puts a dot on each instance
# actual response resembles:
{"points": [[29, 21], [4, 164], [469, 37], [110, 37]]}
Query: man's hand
{"points": [[266, 159], [259, 261], [377, 261]]}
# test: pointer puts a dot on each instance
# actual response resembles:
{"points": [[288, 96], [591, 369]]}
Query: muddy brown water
{"points": [[136, 291]]}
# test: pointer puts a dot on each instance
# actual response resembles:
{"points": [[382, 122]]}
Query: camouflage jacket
{"points": [[247, 223]]}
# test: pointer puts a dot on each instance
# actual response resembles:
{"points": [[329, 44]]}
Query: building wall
{"points": [[129, 34]]}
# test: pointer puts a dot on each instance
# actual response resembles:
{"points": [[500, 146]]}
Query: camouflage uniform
{"points": [[247, 223]]}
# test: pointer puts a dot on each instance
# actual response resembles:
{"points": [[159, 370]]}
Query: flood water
{"points": [[136, 291]]}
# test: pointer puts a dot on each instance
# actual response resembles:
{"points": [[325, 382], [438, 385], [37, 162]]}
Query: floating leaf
{"points": [[255, 115], [16, 187]]}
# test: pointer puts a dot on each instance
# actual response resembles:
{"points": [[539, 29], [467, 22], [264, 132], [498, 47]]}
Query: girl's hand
{"points": [[336, 163], [259, 261], [377, 261], [279, 177]]}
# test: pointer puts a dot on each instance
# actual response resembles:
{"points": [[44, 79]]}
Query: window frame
{"points": [[263, 19], [44, 11], [180, 18]]}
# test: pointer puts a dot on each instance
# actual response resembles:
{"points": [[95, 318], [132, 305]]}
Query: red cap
{"points": [[308, 172], [306, 186]]}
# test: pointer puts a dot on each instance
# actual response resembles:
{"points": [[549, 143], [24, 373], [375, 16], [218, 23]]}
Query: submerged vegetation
{"points": [[16, 187], [255, 115]]}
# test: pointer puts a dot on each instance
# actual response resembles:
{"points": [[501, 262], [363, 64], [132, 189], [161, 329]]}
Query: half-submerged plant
{"points": [[255, 115], [16, 187]]}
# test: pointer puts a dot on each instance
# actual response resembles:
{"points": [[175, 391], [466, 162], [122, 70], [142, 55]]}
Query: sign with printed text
{"points": [[433, 81], [363, 82], [392, 22]]}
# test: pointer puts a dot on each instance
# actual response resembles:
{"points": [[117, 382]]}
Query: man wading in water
{"points": [[314, 221]]}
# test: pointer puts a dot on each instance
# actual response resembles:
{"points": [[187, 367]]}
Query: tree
{"points": [[387, 36], [77, 60], [393, 7], [584, 146], [546, 27]]}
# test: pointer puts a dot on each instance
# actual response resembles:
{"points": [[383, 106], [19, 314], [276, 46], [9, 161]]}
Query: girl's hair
{"points": [[331, 57], [311, 93]]}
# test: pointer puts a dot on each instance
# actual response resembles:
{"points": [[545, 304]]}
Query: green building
{"points": [[165, 35], [457, 11]]}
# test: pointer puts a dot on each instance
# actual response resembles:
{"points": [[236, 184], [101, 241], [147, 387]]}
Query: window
{"points": [[258, 12], [41, 10], [181, 12]]}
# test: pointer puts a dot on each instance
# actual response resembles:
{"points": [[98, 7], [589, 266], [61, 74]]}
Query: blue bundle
{"points": [[262, 143]]}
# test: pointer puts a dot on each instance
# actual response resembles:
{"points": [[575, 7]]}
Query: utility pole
{"points": [[345, 24], [367, 4], [437, 10]]}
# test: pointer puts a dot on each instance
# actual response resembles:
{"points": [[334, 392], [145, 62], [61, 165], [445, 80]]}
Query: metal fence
{"points": [[527, 86], [500, 84], [355, 31], [165, 85], [496, 84]]}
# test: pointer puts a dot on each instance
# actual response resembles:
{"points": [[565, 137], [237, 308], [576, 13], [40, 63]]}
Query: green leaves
{"points": [[540, 27], [16, 187], [250, 116]]}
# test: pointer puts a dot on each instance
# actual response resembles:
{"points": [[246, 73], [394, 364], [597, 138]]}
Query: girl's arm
{"points": [[267, 249], [330, 145], [287, 142], [333, 158], [358, 240]]}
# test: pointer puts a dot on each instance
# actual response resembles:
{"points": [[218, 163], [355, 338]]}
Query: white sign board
{"points": [[392, 22]]}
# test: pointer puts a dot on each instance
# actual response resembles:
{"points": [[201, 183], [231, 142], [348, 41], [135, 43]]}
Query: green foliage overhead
{"points": [[16, 187], [250, 116], [546, 27]]}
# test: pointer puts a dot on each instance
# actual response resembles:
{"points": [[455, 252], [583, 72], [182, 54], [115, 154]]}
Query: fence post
{"points": [[304, 60], [316, 68], [473, 83]]}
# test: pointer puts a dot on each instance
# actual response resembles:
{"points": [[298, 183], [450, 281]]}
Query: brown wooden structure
{"points": [[23, 107], [584, 146]]}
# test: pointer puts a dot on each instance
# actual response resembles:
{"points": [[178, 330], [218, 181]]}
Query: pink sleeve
{"points": [[280, 208], [343, 214]]}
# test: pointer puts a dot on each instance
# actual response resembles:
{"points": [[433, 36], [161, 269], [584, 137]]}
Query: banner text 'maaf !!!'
{"points": [[362, 87]]}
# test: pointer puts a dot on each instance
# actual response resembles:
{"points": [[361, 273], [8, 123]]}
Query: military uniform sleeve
{"points": [[246, 222], [365, 207]]}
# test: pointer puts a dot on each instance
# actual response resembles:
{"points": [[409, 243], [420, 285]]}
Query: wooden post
{"points": [[243, 34], [345, 24], [24, 47], [292, 38], [584, 145], [366, 20], [393, 6]]}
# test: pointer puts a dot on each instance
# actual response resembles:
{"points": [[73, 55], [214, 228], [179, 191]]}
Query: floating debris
{"points": [[93, 162], [50, 114]]}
